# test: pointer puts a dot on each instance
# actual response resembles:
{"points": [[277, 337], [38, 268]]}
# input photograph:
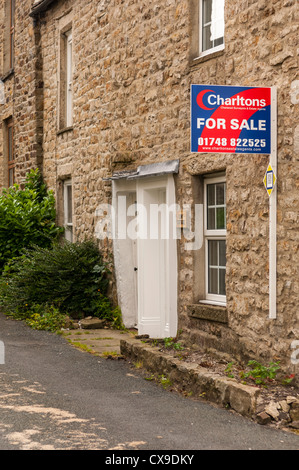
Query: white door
{"points": [[145, 255], [157, 259]]}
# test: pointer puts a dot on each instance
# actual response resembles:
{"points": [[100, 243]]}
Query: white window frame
{"points": [[69, 78], [202, 52], [217, 234], [68, 225]]}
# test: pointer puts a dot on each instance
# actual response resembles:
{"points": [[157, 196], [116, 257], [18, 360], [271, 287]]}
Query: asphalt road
{"points": [[55, 397]]}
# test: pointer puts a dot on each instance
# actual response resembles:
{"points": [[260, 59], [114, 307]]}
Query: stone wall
{"points": [[261, 49], [23, 93], [133, 68]]}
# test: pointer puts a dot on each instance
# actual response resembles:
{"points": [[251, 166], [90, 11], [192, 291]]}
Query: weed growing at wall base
{"points": [[44, 317], [260, 374]]}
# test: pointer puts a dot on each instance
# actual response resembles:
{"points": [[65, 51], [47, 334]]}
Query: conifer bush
{"points": [[71, 277]]}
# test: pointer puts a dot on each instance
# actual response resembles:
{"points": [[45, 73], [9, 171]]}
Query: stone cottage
{"points": [[97, 94]]}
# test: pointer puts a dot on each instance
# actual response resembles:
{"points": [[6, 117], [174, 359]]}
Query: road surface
{"points": [[55, 397]]}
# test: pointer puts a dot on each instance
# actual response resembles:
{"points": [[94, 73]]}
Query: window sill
{"points": [[217, 303], [207, 311], [7, 75], [206, 56], [65, 129]]}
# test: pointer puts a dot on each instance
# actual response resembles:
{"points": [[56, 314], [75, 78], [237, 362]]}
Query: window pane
{"points": [[220, 213], [213, 253], [12, 13], [10, 144], [69, 234], [11, 177], [218, 42], [222, 290], [222, 253], [216, 266], [212, 23], [11, 58], [211, 219], [216, 210], [211, 203], [206, 42], [213, 281], [69, 204], [206, 11], [211, 194], [220, 194]]}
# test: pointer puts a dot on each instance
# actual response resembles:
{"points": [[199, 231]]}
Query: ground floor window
{"points": [[68, 209], [10, 153], [215, 238]]}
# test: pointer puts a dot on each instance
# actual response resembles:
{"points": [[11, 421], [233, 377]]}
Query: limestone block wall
{"points": [[23, 93], [129, 104], [261, 49]]}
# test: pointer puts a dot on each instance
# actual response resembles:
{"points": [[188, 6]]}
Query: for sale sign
{"points": [[230, 119]]}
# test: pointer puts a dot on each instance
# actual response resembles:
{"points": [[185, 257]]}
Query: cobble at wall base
{"points": [[191, 379]]}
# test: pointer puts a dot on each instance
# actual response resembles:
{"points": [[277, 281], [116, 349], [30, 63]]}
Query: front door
{"points": [[156, 254], [146, 256]]}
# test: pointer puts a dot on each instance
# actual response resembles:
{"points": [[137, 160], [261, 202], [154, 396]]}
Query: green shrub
{"points": [[44, 317], [71, 277], [27, 216], [41, 317]]}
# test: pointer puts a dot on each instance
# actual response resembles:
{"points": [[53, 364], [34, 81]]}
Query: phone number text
{"points": [[223, 142]]}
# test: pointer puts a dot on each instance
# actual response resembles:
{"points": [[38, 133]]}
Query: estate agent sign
{"points": [[230, 119], [233, 119]]}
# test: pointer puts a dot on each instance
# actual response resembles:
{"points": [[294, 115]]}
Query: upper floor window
{"points": [[211, 26], [8, 38], [11, 32], [66, 81], [69, 78]]}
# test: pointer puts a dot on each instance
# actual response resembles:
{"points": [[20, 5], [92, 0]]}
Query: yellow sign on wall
{"points": [[269, 180]]}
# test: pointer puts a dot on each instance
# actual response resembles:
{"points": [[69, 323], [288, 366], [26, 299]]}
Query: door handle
{"points": [[135, 269]]}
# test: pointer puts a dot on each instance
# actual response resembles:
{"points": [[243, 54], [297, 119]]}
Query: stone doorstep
{"points": [[192, 379], [92, 323], [99, 341]]}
